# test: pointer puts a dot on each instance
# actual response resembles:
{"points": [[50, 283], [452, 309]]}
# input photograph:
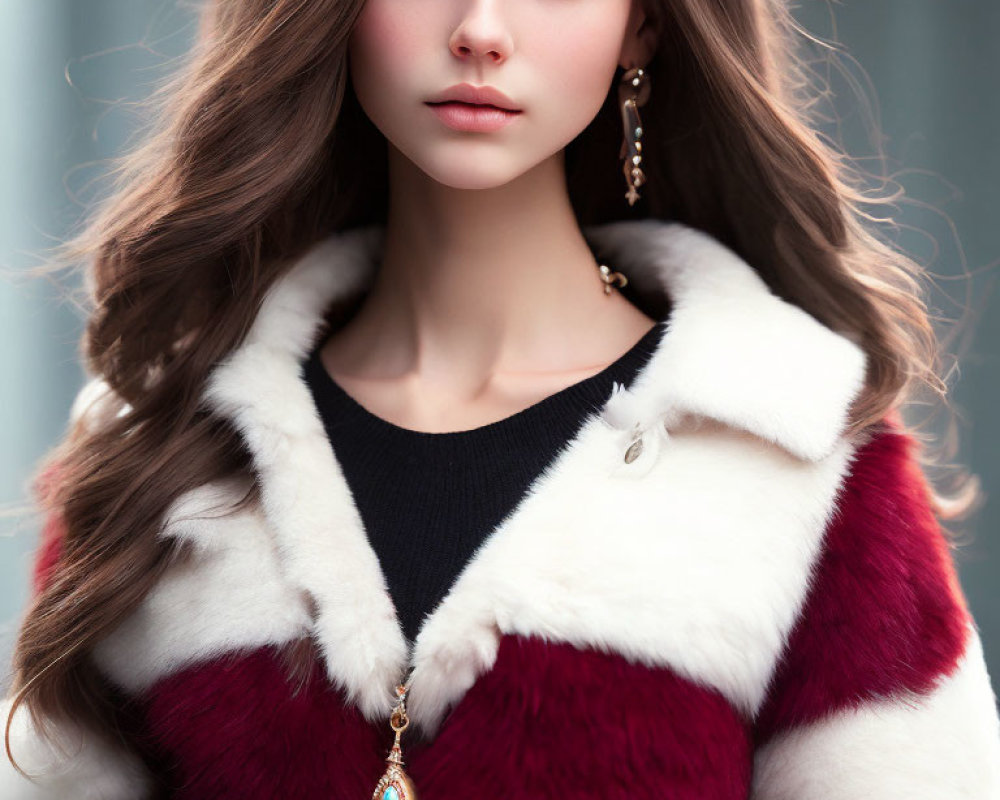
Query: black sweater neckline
{"points": [[565, 402]]}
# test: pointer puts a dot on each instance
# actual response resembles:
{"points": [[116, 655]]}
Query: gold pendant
{"points": [[395, 783], [610, 278]]}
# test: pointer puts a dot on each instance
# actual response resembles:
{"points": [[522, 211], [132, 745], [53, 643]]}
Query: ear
{"points": [[642, 36]]}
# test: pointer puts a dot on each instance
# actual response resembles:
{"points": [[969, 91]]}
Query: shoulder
{"points": [[885, 613], [882, 682]]}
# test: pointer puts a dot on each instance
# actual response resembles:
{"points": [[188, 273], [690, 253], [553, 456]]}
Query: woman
{"points": [[424, 455]]}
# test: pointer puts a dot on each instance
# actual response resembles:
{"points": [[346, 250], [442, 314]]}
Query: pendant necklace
{"points": [[395, 783]]}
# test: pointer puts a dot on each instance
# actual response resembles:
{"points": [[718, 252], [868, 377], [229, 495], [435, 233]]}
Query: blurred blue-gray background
{"points": [[926, 71]]}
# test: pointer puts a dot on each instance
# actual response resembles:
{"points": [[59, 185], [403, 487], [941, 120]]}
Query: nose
{"points": [[481, 34]]}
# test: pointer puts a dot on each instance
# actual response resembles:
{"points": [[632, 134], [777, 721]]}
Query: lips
{"points": [[483, 96], [472, 117], [473, 105]]}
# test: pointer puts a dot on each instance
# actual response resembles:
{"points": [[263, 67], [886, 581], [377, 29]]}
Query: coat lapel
{"points": [[692, 556]]}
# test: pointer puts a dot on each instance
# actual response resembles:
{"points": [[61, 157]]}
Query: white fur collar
{"points": [[734, 353]]}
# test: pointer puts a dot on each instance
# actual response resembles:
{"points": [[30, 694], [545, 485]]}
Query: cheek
{"points": [[576, 61], [381, 46]]}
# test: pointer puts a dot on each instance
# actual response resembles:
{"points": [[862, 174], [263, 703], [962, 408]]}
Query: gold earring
{"points": [[633, 91]]}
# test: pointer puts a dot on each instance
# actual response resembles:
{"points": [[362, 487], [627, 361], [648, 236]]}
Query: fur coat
{"points": [[756, 606]]}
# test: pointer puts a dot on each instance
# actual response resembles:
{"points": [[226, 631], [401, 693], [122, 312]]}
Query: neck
{"points": [[480, 282]]}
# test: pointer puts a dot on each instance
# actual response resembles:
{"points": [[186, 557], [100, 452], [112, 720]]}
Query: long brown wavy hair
{"points": [[259, 149]]}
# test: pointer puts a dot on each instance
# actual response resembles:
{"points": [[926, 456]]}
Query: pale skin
{"points": [[487, 298]]}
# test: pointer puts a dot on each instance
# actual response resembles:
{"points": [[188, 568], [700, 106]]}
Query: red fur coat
{"points": [[757, 606]]}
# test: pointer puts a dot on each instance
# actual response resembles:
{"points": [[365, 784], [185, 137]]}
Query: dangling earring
{"points": [[633, 91]]}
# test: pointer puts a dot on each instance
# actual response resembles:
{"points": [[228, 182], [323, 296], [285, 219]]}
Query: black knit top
{"points": [[428, 500]]}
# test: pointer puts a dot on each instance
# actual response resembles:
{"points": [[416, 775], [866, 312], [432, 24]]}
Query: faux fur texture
{"points": [[941, 743], [547, 721], [231, 596], [735, 352]]}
